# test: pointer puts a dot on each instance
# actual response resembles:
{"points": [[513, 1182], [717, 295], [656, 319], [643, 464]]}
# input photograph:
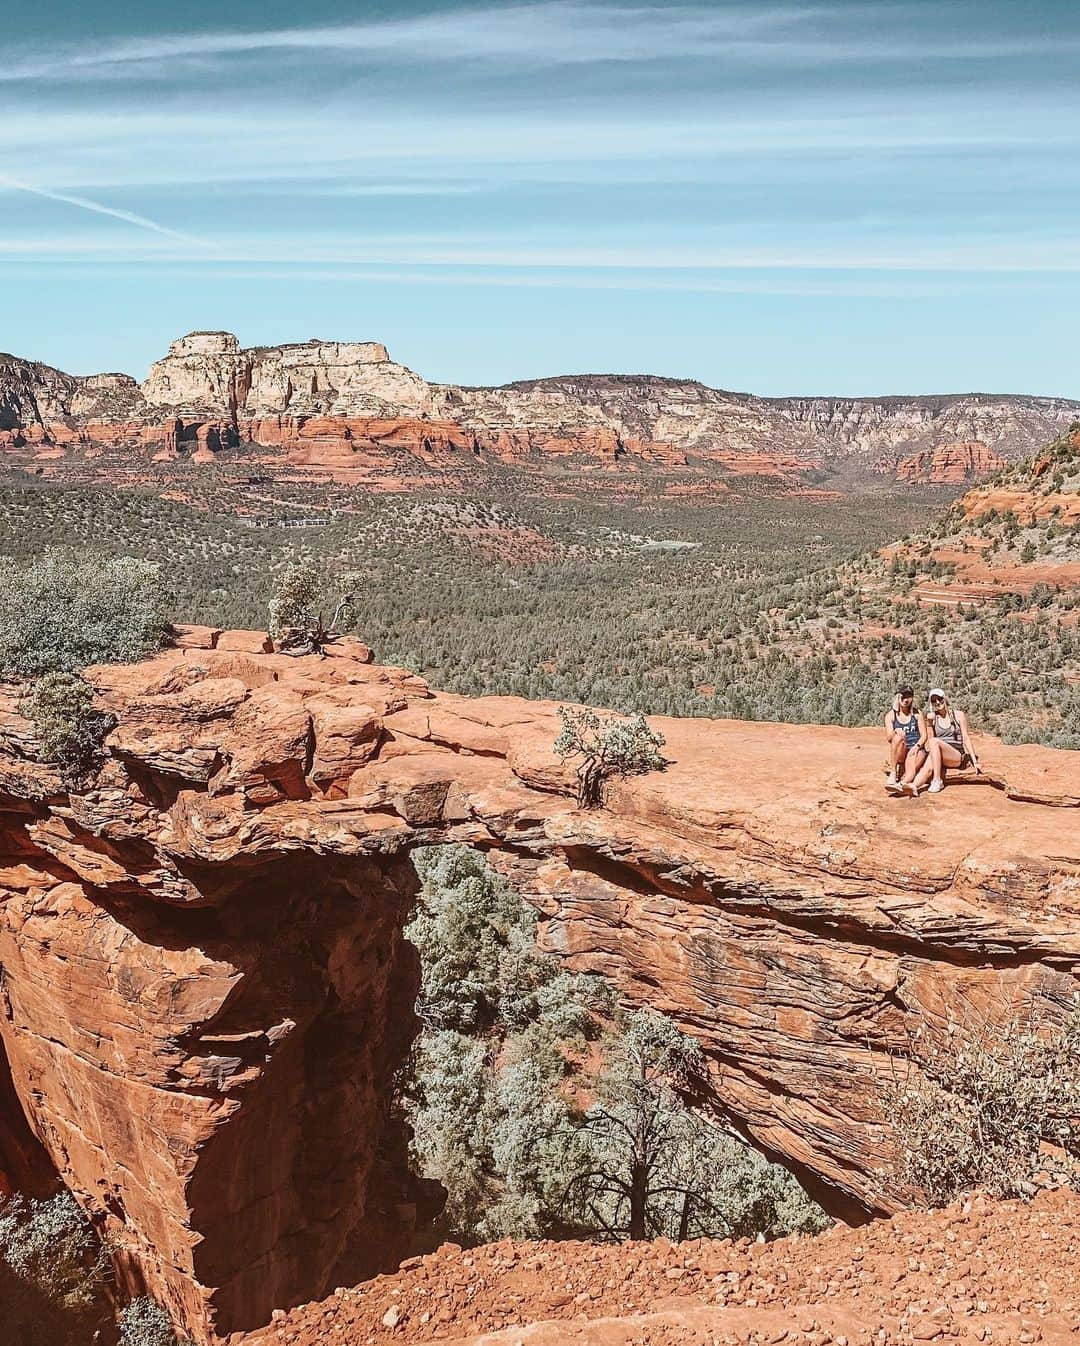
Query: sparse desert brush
{"points": [[68, 730], [144, 1322], [53, 1271], [62, 611], [987, 1103]]}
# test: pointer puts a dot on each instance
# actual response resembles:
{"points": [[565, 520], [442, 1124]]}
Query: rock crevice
{"points": [[207, 993]]}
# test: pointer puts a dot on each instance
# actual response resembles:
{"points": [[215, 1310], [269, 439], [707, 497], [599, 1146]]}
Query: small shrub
{"points": [[53, 1270], [606, 746], [988, 1106], [144, 1322], [297, 623], [62, 612], [68, 730]]}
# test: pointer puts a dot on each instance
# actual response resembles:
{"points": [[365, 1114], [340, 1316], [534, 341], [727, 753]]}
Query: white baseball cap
{"points": [[936, 691]]}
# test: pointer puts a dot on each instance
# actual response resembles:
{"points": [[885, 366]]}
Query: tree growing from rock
{"points": [[655, 1168], [68, 730], [297, 621], [485, 1091], [605, 746], [520, 1070], [61, 612]]}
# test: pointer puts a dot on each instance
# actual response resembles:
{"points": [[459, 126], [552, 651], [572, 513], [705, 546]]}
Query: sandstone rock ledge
{"points": [[205, 992]]}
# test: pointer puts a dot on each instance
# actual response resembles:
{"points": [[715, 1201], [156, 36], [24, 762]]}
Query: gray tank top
{"points": [[948, 731]]}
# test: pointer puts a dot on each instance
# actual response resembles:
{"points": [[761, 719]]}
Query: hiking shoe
{"points": [[890, 780], [893, 786], [936, 787]]}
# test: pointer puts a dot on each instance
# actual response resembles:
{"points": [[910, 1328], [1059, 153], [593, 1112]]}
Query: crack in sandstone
{"points": [[265, 906]]}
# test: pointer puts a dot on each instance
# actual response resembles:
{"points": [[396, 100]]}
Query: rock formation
{"points": [[328, 405], [205, 992], [950, 464]]}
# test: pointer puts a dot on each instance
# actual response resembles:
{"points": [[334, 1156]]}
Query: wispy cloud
{"points": [[95, 207], [969, 255], [554, 33], [560, 32]]}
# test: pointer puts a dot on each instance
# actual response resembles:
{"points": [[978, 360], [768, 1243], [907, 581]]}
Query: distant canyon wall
{"points": [[339, 407]]}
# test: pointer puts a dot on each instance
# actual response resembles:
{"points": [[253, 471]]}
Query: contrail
{"points": [[83, 203]]}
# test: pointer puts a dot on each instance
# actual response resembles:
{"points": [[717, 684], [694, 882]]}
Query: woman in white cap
{"points": [[948, 744]]}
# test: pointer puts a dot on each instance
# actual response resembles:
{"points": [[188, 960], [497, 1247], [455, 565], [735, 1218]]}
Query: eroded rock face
{"points": [[210, 372], [347, 411], [205, 991], [950, 464]]}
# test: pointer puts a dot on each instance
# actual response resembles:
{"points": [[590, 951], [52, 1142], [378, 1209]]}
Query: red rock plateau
{"points": [[976, 1272], [345, 411], [206, 992], [950, 464]]}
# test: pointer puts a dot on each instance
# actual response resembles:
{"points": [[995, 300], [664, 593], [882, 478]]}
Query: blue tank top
{"points": [[909, 726]]}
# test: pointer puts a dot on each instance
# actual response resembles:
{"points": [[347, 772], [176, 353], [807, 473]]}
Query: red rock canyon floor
{"points": [[979, 1271]]}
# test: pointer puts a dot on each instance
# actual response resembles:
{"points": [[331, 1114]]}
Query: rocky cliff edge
{"points": [[206, 993]]}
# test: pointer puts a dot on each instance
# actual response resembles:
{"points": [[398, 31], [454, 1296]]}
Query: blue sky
{"points": [[848, 198]]}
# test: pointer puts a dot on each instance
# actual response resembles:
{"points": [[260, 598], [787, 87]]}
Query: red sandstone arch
{"points": [[205, 991]]}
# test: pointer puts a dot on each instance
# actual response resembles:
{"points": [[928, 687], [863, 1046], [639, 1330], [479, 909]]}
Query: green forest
{"points": [[751, 606]]}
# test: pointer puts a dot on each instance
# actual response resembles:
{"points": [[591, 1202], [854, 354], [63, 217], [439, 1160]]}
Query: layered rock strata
{"points": [[950, 464], [205, 992], [346, 410]]}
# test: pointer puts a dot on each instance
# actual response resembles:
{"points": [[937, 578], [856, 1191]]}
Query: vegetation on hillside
{"points": [[546, 1109], [756, 607], [61, 611]]}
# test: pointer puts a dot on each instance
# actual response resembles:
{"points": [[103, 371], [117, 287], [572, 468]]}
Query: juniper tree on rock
{"points": [[606, 746], [297, 621], [68, 729], [655, 1168]]}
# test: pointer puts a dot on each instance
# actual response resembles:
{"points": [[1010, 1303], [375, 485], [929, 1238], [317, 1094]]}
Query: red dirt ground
{"points": [[980, 1271]]}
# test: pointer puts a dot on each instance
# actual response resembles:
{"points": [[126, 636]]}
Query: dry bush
{"points": [[990, 1105], [68, 730]]}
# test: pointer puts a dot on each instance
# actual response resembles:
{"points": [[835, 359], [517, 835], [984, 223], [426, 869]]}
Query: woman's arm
{"points": [[888, 723], [965, 738], [924, 732]]}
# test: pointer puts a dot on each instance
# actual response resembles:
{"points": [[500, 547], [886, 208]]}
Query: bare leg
{"points": [[915, 758], [897, 752], [949, 757], [932, 765], [941, 756]]}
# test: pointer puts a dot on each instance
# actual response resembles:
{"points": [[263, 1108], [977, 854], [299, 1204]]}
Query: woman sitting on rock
{"points": [[948, 744], [906, 731]]}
